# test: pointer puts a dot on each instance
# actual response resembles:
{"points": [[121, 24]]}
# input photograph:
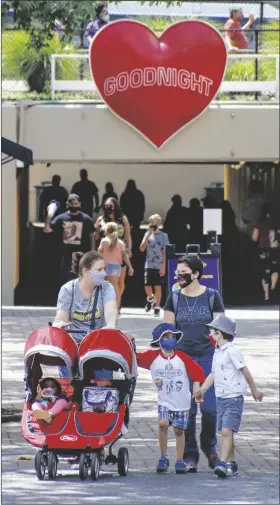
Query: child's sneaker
{"points": [[163, 464], [149, 304], [232, 468], [180, 466], [191, 465], [157, 311], [221, 469]]}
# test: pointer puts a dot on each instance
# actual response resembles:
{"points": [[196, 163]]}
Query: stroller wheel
{"points": [[40, 464], [83, 466], [123, 461], [95, 466], [52, 465]]}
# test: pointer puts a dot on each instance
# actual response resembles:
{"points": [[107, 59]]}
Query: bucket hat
{"points": [[163, 328], [223, 323]]}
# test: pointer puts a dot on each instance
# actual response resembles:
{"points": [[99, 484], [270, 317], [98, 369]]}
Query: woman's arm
{"points": [[255, 235], [127, 234], [127, 262], [97, 228], [111, 313], [61, 319], [169, 317]]}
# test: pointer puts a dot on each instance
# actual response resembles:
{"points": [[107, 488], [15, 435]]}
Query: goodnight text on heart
{"points": [[160, 76]]}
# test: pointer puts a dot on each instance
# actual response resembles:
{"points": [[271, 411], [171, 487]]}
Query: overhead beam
{"points": [[16, 151]]}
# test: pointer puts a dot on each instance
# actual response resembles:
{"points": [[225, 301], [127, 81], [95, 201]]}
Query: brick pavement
{"points": [[257, 442]]}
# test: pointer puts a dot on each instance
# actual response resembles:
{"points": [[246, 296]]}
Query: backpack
{"points": [[211, 299]]}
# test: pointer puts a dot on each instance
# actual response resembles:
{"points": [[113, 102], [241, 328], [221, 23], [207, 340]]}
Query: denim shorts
{"points": [[229, 413], [178, 419], [113, 269]]}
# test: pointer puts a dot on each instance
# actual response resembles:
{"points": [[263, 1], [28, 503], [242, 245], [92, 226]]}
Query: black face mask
{"points": [[184, 280], [73, 210], [108, 210]]}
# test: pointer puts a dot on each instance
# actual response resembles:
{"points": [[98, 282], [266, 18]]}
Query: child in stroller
{"points": [[49, 400]]}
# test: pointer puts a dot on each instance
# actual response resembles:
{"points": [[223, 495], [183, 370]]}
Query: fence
{"points": [[17, 60], [228, 86]]}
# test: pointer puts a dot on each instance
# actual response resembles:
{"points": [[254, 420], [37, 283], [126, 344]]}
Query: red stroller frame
{"points": [[73, 432]]}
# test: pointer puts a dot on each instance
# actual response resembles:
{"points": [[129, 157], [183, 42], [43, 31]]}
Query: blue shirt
{"points": [[155, 248], [192, 314]]}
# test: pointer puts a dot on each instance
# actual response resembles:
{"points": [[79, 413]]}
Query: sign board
{"points": [[158, 85], [211, 273]]}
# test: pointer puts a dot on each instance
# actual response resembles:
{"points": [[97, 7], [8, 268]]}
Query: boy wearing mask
{"points": [[170, 370], [155, 241], [229, 375]]}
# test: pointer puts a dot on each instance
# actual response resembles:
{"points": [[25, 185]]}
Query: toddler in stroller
{"points": [[49, 400]]}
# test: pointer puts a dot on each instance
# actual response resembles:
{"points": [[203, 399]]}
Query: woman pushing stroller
{"points": [[88, 302]]}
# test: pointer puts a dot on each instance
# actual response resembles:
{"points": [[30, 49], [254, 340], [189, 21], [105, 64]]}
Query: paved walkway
{"points": [[257, 442]]}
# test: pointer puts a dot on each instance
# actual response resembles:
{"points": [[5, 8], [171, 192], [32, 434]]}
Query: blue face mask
{"points": [[169, 344], [97, 277]]}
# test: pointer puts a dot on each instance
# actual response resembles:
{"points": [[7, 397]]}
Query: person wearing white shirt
{"points": [[170, 370], [230, 376]]}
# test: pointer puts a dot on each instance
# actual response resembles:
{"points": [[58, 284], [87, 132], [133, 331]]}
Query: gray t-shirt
{"points": [[155, 247], [80, 309], [192, 314]]}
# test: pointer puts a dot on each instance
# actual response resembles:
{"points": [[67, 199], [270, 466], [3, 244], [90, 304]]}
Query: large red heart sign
{"points": [[158, 85]]}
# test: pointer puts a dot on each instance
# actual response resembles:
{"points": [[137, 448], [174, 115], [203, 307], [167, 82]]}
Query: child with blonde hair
{"points": [[114, 253], [155, 241]]}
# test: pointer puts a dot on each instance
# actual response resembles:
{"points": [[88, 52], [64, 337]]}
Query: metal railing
{"points": [[266, 87]]}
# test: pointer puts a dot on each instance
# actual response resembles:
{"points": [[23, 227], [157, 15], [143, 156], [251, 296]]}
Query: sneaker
{"points": [[221, 469], [232, 468], [180, 466], [157, 312], [191, 466], [163, 464], [150, 304], [212, 460]]}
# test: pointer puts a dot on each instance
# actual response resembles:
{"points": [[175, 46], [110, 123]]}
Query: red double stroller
{"points": [[81, 432]]}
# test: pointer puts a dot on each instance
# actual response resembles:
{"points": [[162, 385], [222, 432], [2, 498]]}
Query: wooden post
{"points": [[227, 182]]}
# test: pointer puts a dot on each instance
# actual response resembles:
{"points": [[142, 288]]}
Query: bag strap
{"points": [[211, 297], [175, 300], [96, 296], [72, 299]]}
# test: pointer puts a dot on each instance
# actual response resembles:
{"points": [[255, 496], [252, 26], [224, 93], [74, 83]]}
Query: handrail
{"points": [[271, 87]]}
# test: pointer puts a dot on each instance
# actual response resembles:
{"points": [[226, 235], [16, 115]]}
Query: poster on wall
{"points": [[158, 85]]}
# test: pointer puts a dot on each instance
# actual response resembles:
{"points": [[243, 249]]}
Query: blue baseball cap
{"points": [[163, 328]]}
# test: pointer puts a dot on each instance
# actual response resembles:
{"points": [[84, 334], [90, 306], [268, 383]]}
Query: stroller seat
{"points": [[100, 399]]}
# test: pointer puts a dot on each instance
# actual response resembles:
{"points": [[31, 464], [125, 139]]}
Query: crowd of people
{"points": [[115, 233]]}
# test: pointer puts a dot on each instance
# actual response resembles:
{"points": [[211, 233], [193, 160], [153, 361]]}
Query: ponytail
{"points": [[113, 234]]}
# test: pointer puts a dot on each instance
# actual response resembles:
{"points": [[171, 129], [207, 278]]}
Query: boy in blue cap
{"points": [[170, 370], [230, 377]]}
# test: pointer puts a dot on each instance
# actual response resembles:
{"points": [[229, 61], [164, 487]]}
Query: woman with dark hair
{"points": [[89, 301], [190, 308], [112, 212], [265, 234]]}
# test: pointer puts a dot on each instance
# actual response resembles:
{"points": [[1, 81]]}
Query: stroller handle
{"points": [[71, 331]]}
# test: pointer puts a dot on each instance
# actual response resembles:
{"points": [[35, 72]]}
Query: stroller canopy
{"points": [[50, 346], [111, 344]]}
